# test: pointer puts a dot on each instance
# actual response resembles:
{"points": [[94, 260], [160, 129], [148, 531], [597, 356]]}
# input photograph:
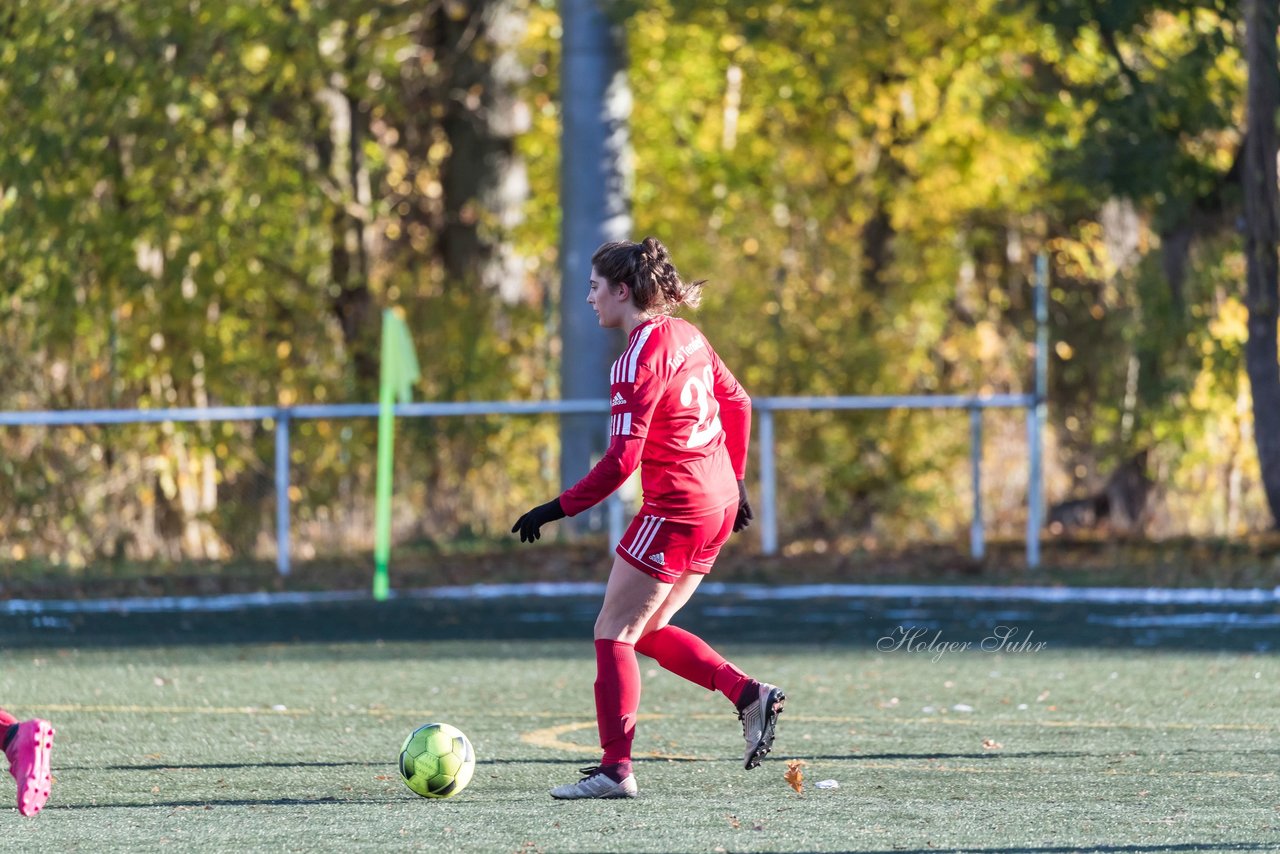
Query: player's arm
{"points": [[735, 415], [613, 469], [629, 416], [633, 405], [735, 418]]}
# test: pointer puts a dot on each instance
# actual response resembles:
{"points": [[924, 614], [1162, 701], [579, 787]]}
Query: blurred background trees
{"points": [[208, 203]]}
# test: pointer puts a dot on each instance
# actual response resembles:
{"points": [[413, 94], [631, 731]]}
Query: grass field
{"points": [[277, 729]]}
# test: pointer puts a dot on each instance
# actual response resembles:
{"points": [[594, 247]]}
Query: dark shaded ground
{"points": [[1250, 563], [917, 626], [1253, 564]]}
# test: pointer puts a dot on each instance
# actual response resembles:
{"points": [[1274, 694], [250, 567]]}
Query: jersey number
{"points": [[701, 389]]}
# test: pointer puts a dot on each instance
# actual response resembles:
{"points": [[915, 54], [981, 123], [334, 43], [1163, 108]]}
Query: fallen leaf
{"points": [[991, 744], [794, 776], [733, 821], [382, 777]]}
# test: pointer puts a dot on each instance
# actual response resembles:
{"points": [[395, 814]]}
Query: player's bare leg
{"points": [[679, 595], [631, 599], [27, 745]]}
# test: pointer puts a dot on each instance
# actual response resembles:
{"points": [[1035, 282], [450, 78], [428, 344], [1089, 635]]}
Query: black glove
{"points": [[744, 510], [529, 523]]}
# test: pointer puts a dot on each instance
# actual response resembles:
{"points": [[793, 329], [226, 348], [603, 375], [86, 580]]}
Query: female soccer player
{"points": [[679, 414], [27, 746]]}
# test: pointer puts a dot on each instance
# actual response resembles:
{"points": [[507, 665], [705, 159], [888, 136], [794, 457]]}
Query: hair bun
{"points": [[646, 267], [654, 252]]}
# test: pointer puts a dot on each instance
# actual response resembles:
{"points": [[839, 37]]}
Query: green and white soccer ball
{"points": [[437, 761]]}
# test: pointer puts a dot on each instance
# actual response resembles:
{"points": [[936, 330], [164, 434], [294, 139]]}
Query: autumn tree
{"points": [[1157, 91], [1262, 239]]}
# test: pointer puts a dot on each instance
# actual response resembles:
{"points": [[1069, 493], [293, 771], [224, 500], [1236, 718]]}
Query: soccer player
{"points": [[27, 745], [679, 414]]}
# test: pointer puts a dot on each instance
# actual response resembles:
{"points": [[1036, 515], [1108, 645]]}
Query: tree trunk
{"points": [[483, 179], [341, 155], [1262, 239]]}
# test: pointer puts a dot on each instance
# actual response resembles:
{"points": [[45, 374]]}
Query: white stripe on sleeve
{"points": [[619, 365], [632, 356]]}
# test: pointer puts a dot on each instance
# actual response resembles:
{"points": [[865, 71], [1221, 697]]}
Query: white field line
{"points": [[1215, 620], [748, 592]]}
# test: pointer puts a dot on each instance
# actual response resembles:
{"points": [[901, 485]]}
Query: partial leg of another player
{"points": [[27, 745], [631, 598]]}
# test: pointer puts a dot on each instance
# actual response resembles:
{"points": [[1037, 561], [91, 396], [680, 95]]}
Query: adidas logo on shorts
{"points": [[618, 400], [659, 559]]}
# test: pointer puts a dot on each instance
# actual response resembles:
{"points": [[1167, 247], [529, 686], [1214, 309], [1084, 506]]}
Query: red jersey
{"points": [[679, 414]]}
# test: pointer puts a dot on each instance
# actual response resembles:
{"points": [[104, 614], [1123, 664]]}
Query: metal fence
{"points": [[765, 409]]}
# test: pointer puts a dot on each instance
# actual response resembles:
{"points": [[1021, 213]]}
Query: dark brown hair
{"points": [[646, 267]]}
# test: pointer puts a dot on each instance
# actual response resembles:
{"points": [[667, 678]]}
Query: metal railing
{"points": [[764, 409]]}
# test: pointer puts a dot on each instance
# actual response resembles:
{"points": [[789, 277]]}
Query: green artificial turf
{"points": [[292, 747]]}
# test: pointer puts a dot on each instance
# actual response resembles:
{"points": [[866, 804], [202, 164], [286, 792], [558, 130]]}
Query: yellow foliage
{"points": [[1231, 325], [256, 57]]}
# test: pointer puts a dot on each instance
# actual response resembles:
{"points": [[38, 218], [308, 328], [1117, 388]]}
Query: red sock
{"points": [[7, 719], [617, 699], [690, 657]]}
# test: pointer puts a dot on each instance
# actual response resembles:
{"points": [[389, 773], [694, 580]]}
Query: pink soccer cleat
{"points": [[28, 755]]}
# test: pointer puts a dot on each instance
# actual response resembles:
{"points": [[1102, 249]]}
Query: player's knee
{"points": [[617, 627], [656, 623]]}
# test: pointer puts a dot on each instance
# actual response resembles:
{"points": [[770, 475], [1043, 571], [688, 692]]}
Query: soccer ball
{"points": [[436, 761]]}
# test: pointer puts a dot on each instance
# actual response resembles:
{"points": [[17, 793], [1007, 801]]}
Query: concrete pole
{"points": [[595, 188]]}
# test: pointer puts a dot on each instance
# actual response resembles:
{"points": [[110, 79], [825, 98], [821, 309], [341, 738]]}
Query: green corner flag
{"points": [[399, 373]]}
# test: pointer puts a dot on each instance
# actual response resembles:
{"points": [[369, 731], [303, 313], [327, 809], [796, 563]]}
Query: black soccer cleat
{"points": [[759, 720]]}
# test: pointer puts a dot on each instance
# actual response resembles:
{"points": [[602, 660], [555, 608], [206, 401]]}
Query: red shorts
{"points": [[668, 548]]}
